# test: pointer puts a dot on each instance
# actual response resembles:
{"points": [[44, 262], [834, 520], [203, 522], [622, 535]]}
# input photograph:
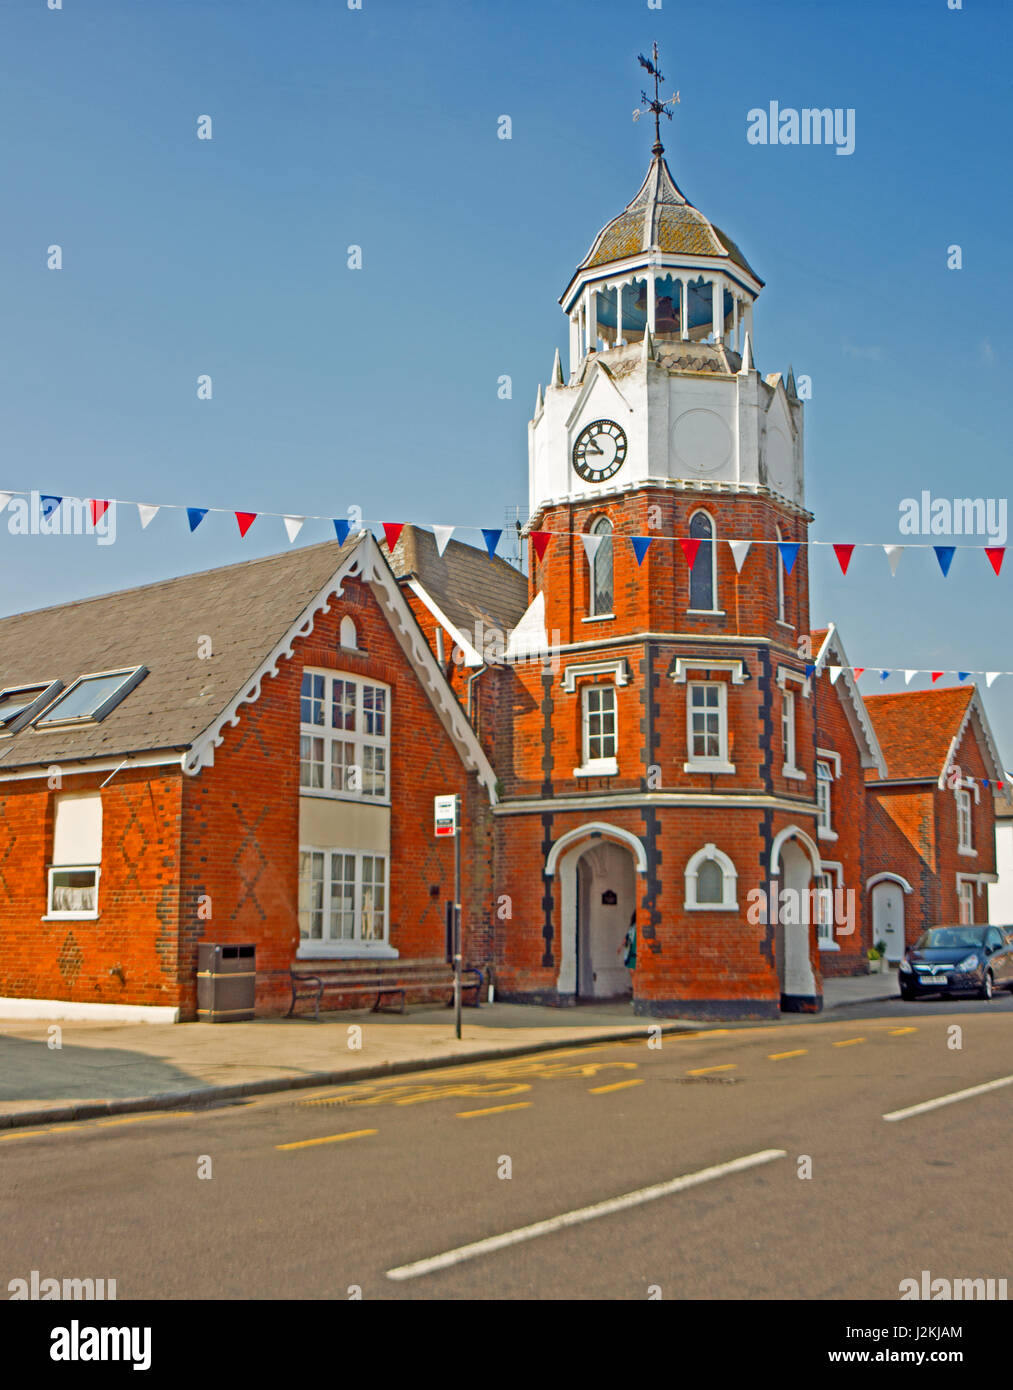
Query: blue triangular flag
{"points": [[945, 554], [341, 529], [49, 505], [962, 675], [811, 670], [640, 544], [491, 540], [984, 783], [884, 675], [789, 551], [195, 515]]}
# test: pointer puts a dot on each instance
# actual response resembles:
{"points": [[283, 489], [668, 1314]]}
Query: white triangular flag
{"points": [[893, 554], [442, 534], [147, 513], [293, 525], [990, 676], [5, 497], [739, 549], [835, 671], [908, 675], [591, 544]]}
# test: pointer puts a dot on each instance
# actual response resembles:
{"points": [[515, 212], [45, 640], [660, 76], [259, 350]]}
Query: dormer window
{"points": [[90, 698]]}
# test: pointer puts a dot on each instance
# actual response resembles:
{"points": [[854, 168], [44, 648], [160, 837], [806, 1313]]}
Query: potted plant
{"points": [[878, 963]]}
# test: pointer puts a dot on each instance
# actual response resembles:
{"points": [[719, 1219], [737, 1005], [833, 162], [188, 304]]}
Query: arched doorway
{"points": [[606, 904], [596, 867], [794, 860], [888, 917]]}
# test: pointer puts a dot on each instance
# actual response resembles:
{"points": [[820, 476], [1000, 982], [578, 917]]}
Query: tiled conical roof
{"points": [[660, 218]]}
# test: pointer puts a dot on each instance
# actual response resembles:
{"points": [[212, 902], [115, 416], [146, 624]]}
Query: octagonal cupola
{"points": [[661, 267]]}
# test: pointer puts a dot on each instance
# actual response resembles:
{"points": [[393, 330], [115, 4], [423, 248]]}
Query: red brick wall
{"points": [[138, 893], [847, 822], [242, 815]]}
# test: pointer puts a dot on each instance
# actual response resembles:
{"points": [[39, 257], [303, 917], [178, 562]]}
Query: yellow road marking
{"points": [[895, 1031], [327, 1139], [151, 1115], [848, 1042], [725, 1066], [776, 1056], [94, 1124], [615, 1086], [493, 1109]]}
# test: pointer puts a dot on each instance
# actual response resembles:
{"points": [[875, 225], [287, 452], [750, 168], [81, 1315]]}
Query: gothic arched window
{"points": [[779, 568], [702, 577], [601, 570]]}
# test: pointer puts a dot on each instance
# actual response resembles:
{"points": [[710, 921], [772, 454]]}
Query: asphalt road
{"points": [[318, 1195]]}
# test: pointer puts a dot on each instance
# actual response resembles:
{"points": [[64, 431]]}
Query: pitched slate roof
{"points": [[245, 609], [916, 728], [465, 584], [661, 218]]}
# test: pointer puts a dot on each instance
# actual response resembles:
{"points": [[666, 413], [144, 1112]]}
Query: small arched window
{"points": [[710, 881], [347, 634], [702, 578], [779, 567], [601, 570]]}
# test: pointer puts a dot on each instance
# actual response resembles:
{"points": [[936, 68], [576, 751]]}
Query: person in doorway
{"points": [[629, 946]]}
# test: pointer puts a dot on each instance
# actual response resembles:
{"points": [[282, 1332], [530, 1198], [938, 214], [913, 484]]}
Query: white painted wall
{"points": [[1000, 895]]}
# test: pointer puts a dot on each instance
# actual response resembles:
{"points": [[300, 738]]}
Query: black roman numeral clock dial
{"points": [[599, 451]]}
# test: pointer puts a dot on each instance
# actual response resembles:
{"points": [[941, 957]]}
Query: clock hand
{"points": [[590, 448]]}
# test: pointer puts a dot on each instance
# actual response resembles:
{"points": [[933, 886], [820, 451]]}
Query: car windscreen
{"points": [[939, 938]]}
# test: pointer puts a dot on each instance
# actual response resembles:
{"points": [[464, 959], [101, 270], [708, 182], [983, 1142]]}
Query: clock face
{"points": [[599, 451]]}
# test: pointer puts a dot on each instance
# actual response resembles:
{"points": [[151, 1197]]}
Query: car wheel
{"points": [[906, 993], [986, 986]]}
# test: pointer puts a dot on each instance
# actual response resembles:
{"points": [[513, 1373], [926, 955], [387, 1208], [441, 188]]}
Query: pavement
{"points": [[77, 1071]]}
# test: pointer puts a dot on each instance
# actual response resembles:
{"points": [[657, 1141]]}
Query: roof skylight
{"points": [[91, 698]]}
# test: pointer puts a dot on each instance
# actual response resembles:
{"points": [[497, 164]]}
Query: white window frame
{"points": [[826, 939], [131, 677], [601, 766], [65, 914], [720, 763], [729, 881], [791, 770], [607, 538], [359, 738], [965, 822], [965, 897], [95, 869], [824, 800], [327, 946]]}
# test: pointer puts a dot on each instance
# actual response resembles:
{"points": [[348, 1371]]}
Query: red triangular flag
{"points": [[856, 671], [689, 549], [995, 555], [935, 676], [391, 531], [540, 540], [844, 553], [99, 509], [245, 520]]}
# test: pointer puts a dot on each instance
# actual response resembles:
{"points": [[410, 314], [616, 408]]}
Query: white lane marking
{"points": [[574, 1218], [949, 1100]]}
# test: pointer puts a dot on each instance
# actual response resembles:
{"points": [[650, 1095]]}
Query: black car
{"points": [[958, 960]]}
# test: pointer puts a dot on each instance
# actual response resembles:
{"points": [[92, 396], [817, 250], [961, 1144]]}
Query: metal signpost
{"points": [[447, 817]]}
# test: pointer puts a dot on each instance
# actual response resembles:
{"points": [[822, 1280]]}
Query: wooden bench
{"points": [[306, 984]]}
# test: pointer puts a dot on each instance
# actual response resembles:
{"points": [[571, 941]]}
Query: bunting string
{"points": [[48, 505]]}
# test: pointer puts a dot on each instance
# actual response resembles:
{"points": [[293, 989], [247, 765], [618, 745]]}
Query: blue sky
{"points": [[378, 387]]}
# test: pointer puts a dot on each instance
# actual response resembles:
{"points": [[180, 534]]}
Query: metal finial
{"points": [[657, 106]]}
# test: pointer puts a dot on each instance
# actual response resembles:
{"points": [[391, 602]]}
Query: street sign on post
{"points": [[447, 821]]}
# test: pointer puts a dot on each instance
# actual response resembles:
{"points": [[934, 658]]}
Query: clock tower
{"points": [[661, 765]]}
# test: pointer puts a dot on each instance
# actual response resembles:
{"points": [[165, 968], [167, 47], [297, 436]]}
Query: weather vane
{"points": [[659, 107]]}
